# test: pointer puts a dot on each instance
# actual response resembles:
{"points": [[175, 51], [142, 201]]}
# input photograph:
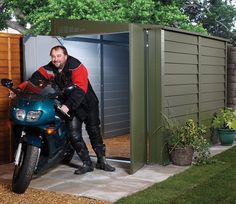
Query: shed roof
{"points": [[65, 27]]}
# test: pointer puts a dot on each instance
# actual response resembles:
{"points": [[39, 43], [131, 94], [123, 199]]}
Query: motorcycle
{"points": [[43, 140]]}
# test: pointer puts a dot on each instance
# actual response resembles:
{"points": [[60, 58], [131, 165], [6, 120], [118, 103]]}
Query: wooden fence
{"points": [[10, 67]]}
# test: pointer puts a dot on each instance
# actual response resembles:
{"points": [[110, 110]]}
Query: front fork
{"points": [[19, 151]]}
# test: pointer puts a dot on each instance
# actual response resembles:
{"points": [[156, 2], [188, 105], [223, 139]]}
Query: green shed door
{"points": [[137, 98]]}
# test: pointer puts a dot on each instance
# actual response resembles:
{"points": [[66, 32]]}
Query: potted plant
{"points": [[187, 143], [225, 123]]}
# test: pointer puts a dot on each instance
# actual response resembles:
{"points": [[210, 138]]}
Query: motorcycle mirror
{"points": [[7, 83]]}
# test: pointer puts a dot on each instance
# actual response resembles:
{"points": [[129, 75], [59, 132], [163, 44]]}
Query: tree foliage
{"points": [[39, 13], [214, 16], [5, 14]]}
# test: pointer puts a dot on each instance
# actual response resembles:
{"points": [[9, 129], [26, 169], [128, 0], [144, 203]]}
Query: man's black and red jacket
{"points": [[82, 99]]}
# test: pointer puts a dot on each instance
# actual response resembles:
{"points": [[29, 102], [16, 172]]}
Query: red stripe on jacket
{"points": [[29, 87], [44, 72], [23, 85], [80, 77]]}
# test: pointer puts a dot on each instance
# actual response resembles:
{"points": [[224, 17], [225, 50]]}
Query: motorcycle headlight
{"points": [[33, 116], [20, 114]]}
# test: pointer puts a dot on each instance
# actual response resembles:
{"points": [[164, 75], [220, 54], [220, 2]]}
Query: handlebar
{"points": [[49, 90]]}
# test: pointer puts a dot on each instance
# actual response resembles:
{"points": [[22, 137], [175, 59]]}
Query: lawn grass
{"points": [[208, 184]]}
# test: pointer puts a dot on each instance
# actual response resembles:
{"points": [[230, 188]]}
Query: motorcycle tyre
{"points": [[68, 155], [24, 171]]}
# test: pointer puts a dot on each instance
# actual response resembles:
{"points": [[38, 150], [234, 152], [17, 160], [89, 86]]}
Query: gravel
{"points": [[34, 196]]}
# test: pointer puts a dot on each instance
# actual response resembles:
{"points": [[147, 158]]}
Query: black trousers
{"points": [[92, 126]]}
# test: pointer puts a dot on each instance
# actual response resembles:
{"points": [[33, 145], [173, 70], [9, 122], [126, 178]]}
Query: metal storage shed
{"points": [[171, 71]]}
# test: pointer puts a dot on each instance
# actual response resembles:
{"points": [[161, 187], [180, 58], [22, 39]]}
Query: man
{"points": [[81, 102]]}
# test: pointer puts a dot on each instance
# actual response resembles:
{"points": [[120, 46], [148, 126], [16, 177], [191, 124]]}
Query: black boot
{"points": [[101, 159], [86, 167], [87, 163], [83, 153], [102, 164]]}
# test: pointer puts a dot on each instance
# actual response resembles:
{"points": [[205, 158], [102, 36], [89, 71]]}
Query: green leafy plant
{"points": [[188, 134], [225, 119]]}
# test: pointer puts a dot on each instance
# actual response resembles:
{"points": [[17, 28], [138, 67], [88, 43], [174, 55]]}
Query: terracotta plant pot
{"points": [[182, 156]]}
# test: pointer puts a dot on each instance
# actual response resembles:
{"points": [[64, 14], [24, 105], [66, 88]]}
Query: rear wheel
{"points": [[24, 170], [68, 155]]}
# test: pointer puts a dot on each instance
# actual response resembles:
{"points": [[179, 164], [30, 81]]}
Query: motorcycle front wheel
{"points": [[24, 170]]}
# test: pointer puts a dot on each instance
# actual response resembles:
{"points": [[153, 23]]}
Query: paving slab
{"points": [[101, 185]]}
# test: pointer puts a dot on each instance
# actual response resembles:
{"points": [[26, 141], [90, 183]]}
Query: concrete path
{"points": [[109, 186]]}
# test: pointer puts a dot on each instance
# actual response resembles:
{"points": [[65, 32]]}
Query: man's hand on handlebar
{"points": [[64, 109]]}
